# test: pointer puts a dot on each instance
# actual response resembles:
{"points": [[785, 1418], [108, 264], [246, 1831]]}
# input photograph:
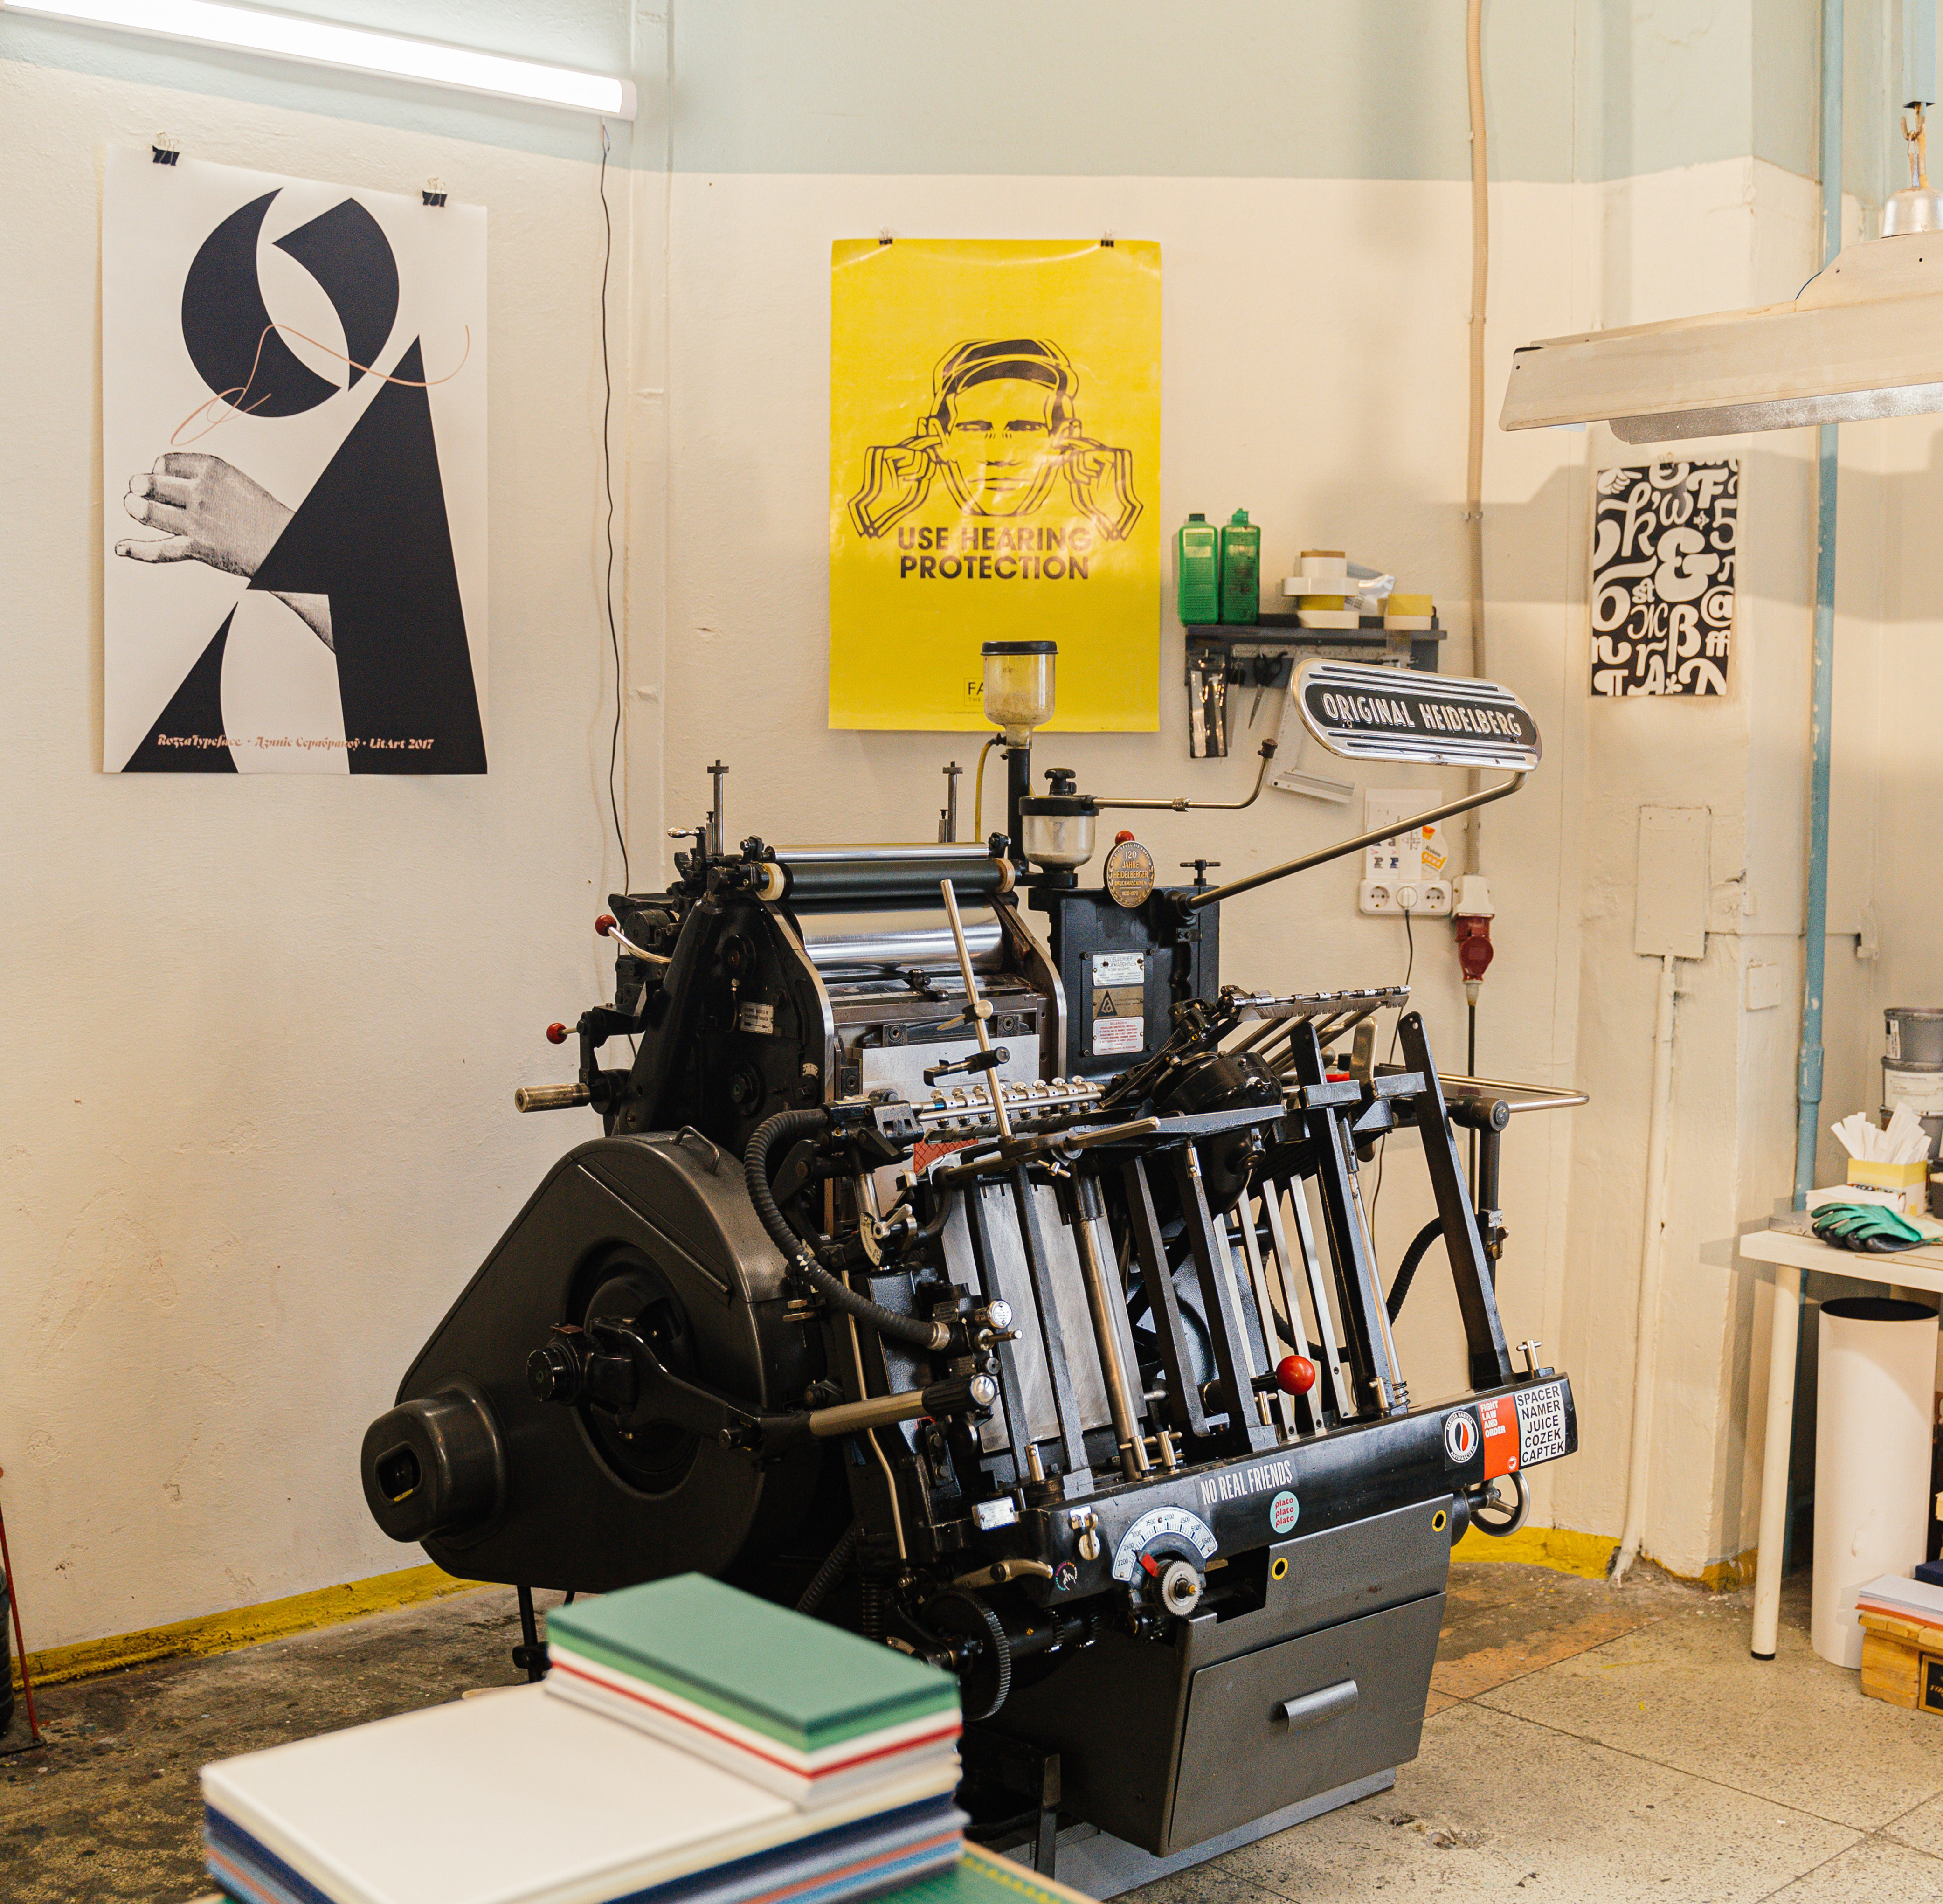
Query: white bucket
{"points": [[1874, 1395]]}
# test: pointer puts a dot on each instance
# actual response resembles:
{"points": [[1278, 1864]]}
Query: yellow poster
{"points": [[994, 476]]}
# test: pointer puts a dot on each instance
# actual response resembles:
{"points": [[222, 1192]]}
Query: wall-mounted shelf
{"points": [[1228, 657], [1284, 632]]}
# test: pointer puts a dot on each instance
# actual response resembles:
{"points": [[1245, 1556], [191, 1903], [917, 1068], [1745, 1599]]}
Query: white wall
{"points": [[263, 1033]]}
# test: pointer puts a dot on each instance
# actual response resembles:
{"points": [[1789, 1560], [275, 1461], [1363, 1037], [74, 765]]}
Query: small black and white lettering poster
{"points": [[1663, 543]]}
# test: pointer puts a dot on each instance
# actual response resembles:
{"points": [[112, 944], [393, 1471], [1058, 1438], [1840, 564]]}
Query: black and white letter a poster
{"points": [[293, 470]]}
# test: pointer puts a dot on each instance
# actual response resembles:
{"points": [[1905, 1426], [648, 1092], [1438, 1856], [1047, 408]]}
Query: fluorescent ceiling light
{"points": [[1864, 339], [350, 49]]}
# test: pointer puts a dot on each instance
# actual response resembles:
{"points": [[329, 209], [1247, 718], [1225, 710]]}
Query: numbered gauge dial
{"points": [[1159, 1524]]}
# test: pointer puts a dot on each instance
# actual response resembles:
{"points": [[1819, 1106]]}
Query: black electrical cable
{"points": [[1406, 1269], [835, 1564], [1382, 1149], [1471, 1070], [932, 1336], [607, 474]]}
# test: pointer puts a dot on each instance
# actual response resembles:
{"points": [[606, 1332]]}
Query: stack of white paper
{"points": [[520, 1798]]}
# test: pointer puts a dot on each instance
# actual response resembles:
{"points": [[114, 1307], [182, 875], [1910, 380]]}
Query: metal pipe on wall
{"points": [[1652, 1260], [1785, 1329], [1474, 459]]}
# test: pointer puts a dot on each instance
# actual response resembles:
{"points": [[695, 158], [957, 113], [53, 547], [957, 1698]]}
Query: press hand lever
{"points": [[972, 1063], [607, 926], [551, 1097], [1295, 1375]]}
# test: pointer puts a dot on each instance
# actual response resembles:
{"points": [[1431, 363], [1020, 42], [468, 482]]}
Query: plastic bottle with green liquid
{"points": [[1241, 569], [1197, 571]]}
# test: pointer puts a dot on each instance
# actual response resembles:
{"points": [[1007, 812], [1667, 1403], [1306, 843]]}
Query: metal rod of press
{"points": [[1182, 804], [977, 1009], [1215, 894], [1084, 1206]]}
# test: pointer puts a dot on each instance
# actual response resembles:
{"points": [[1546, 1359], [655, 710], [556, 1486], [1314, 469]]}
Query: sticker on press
{"points": [[1541, 1417], [1066, 1577], [1283, 1512], [1500, 1420], [1460, 1437]]}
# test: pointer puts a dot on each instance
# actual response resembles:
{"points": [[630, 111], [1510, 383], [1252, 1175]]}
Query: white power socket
{"points": [[1404, 873], [1395, 896]]}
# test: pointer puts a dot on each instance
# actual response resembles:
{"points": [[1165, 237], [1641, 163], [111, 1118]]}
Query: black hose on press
{"points": [[835, 1566], [1413, 1259], [930, 1336]]}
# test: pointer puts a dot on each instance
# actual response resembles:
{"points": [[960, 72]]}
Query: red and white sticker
{"points": [[1541, 1420], [1500, 1417], [929, 1150]]}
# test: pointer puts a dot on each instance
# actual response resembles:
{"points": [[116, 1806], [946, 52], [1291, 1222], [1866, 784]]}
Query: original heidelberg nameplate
{"points": [[1391, 713]]}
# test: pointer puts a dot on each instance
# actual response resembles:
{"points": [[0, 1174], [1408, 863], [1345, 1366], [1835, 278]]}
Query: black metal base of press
{"points": [[1103, 1865]]}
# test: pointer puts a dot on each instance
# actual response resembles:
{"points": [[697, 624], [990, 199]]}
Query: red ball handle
{"points": [[1295, 1375], [556, 1032], [605, 924]]}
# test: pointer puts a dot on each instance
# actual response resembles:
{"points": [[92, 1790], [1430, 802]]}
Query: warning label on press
{"points": [[1500, 1420]]}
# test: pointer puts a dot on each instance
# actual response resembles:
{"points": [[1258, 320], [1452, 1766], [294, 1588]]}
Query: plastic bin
{"points": [[1872, 1449]]}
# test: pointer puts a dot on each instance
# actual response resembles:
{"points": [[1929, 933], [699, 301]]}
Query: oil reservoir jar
{"points": [[1019, 690], [1056, 827]]}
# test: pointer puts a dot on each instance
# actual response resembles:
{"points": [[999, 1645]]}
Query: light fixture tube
{"points": [[350, 49]]}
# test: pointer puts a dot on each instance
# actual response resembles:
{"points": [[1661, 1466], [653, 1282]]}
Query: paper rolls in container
{"points": [[1874, 1398]]}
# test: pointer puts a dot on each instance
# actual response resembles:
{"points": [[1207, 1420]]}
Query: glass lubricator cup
{"points": [[1057, 826], [1018, 687]]}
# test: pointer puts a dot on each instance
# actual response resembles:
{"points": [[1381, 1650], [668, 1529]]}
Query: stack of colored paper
{"points": [[1916, 1601], [804, 1709], [518, 1798]]}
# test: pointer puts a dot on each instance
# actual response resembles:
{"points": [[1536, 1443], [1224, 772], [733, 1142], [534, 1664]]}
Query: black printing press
{"points": [[1001, 1286]]}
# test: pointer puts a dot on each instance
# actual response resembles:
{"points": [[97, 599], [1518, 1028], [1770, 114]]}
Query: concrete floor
{"points": [[1583, 1743]]}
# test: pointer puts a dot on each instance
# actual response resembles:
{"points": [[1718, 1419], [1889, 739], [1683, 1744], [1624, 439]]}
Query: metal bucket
{"points": [[1912, 1036], [1920, 1088]]}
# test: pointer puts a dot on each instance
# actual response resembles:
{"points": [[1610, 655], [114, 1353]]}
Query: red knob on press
{"points": [[1295, 1375], [557, 1033], [606, 924], [1121, 838]]}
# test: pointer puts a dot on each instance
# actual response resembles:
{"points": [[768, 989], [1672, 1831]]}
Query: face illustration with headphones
{"points": [[1002, 431]]}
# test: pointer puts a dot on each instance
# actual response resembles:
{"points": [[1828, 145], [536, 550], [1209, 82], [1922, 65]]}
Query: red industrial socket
{"points": [[1474, 945]]}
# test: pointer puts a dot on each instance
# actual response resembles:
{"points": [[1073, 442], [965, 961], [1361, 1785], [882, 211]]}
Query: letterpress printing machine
{"points": [[1002, 1288]]}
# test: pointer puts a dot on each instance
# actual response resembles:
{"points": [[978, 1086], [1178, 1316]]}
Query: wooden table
{"points": [[1790, 1253]]}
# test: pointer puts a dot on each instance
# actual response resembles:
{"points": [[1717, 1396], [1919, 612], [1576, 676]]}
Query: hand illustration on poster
{"points": [[268, 419], [995, 437]]}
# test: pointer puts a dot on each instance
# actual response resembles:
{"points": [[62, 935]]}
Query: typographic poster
{"points": [[994, 471], [293, 470], [1664, 538]]}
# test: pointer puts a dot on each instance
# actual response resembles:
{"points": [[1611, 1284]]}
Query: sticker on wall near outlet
{"points": [[1404, 873]]}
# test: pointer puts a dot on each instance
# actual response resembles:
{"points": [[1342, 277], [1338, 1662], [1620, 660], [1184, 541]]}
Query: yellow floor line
{"points": [[224, 1632], [1563, 1549], [1590, 1556]]}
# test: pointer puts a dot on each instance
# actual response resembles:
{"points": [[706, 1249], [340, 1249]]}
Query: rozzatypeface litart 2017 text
{"points": [[383, 744]]}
